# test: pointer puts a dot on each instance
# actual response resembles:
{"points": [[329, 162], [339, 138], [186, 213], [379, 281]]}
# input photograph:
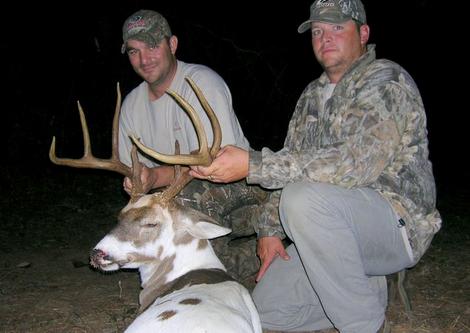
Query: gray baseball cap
{"points": [[334, 11], [147, 26]]}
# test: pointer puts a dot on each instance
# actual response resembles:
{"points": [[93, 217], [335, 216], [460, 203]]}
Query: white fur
{"points": [[225, 308]]}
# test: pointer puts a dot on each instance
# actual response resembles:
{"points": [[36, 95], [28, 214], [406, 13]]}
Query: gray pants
{"points": [[344, 243]]}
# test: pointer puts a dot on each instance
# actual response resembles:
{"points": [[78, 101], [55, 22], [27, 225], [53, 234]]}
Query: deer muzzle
{"points": [[99, 259]]}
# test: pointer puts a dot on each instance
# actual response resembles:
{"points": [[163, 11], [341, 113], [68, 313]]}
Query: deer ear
{"points": [[207, 230], [200, 225]]}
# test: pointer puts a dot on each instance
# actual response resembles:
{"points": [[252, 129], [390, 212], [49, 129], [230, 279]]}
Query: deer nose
{"points": [[97, 256]]}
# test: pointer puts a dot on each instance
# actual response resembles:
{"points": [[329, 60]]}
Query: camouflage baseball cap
{"points": [[145, 25], [334, 11]]}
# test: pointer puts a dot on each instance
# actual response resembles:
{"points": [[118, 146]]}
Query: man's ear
{"points": [[364, 32], [173, 44]]}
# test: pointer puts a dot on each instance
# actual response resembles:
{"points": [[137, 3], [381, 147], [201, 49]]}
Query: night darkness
{"points": [[51, 216], [54, 56]]}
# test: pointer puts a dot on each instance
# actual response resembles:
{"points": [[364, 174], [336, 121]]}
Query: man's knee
{"points": [[298, 198], [307, 201], [293, 198]]}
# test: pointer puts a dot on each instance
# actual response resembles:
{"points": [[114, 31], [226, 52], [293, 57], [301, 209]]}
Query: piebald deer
{"points": [[185, 287]]}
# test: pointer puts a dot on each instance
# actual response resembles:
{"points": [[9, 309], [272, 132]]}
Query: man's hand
{"points": [[268, 249], [146, 177], [230, 164], [151, 178]]}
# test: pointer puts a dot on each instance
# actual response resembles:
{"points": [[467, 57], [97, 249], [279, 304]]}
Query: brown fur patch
{"points": [[137, 257], [166, 315], [191, 301], [203, 243], [156, 284], [132, 229], [135, 214], [182, 238]]}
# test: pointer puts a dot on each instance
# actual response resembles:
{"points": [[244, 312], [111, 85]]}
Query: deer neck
{"points": [[194, 277], [158, 277]]}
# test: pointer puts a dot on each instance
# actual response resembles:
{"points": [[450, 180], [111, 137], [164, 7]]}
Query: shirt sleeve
{"points": [[268, 224], [366, 137]]}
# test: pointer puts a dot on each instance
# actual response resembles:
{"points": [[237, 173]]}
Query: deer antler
{"points": [[113, 163], [203, 156]]}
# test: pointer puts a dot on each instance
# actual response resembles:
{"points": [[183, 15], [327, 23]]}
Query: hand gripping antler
{"points": [[203, 156], [113, 163]]}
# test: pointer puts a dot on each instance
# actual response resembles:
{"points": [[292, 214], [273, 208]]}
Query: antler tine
{"points": [[115, 132], [203, 156], [216, 131], [88, 160], [181, 179], [137, 188]]}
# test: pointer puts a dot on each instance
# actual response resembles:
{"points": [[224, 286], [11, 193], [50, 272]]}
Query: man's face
{"points": [[152, 63], [338, 45]]}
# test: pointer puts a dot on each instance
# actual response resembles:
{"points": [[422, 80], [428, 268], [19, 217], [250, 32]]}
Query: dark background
{"points": [[50, 216], [54, 55]]}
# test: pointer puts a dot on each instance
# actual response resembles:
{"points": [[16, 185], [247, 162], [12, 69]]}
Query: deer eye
{"points": [[149, 223]]}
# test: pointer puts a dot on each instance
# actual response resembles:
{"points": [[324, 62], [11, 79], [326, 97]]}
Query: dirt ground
{"points": [[50, 223]]}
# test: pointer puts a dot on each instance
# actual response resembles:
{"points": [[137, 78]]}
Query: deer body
{"points": [[184, 285]]}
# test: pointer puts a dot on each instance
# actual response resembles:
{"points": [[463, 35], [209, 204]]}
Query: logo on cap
{"points": [[135, 22], [325, 3]]}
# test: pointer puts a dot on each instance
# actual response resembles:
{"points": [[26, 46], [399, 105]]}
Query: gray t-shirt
{"points": [[159, 123]]}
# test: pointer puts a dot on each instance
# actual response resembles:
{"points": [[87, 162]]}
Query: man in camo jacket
{"points": [[355, 188]]}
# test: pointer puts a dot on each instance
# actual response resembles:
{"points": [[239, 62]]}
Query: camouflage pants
{"points": [[236, 206]]}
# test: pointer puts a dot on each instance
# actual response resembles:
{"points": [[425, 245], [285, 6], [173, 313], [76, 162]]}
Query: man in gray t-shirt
{"points": [[153, 116]]}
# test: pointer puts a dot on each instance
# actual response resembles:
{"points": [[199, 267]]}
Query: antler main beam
{"points": [[88, 160], [112, 164], [203, 156]]}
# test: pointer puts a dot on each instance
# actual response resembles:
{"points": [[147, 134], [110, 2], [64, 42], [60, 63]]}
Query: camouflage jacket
{"points": [[371, 133]]}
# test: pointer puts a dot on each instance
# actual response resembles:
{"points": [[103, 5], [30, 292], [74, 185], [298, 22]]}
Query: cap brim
{"points": [[304, 26], [143, 37]]}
